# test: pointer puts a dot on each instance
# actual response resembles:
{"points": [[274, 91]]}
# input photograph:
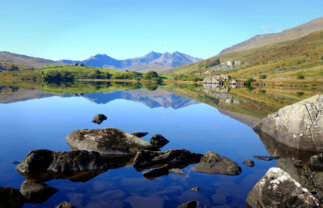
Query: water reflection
{"points": [[183, 113]]}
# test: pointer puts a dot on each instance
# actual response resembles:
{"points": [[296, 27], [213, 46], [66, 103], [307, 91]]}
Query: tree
{"points": [[150, 75], [14, 68]]}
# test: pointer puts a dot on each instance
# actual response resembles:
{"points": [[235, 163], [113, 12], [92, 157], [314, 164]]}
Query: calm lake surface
{"points": [[42, 120]]}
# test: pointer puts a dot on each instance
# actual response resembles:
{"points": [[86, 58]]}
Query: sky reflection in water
{"points": [[44, 123]]}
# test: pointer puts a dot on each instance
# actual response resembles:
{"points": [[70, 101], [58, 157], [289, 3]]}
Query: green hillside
{"points": [[300, 58]]}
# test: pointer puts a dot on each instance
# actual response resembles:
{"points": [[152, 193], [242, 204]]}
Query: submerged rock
{"points": [[10, 197], [249, 163], [213, 163], [65, 205], [36, 192], [139, 134], [190, 204], [158, 141], [176, 171], [277, 189], [98, 119], [59, 162], [298, 126], [316, 162], [267, 158], [156, 172], [173, 158], [195, 189], [106, 141]]}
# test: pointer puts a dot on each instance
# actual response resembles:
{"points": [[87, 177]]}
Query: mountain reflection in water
{"points": [[197, 118]]}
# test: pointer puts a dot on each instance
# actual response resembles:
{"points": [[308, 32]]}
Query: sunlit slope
{"points": [[283, 60]]}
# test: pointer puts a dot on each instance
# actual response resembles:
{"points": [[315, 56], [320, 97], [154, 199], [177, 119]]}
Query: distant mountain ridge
{"points": [[7, 59], [151, 61], [272, 38]]}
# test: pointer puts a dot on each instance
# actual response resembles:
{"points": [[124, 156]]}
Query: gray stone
{"points": [[139, 134], [45, 160], [65, 205], [249, 163], [277, 189], [98, 119], [178, 158], [267, 158], [10, 197], [316, 162], [156, 172], [195, 189], [298, 126], [176, 171], [36, 192], [106, 141], [158, 141], [213, 163]]}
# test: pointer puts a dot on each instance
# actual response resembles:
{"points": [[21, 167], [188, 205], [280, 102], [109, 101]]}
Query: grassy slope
{"points": [[286, 35], [26, 61], [283, 60]]}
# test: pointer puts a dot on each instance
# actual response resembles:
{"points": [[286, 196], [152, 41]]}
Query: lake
{"points": [[196, 118]]}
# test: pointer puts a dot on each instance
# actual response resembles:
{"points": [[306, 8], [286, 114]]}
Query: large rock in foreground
{"points": [[298, 126], [213, 163], [278, 189], [59, 162], [106, 141], [10, 197]]}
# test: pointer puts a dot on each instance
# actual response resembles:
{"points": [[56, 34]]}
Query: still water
{"points": [[42, 122]]}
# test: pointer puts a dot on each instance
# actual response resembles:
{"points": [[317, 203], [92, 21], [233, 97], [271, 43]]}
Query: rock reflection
{"points": [[296, 163]]}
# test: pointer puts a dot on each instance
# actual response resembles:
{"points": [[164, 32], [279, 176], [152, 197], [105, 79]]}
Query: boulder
{"points": [[59, 162], [158, 141], [190, 204], [278, 189], [298, 126], [177, 158], [98, 119], [316, 162], [10, 197], [36, 192], [139, 134], [65, 205], [106, 141], [249, 163], [213, 163]]}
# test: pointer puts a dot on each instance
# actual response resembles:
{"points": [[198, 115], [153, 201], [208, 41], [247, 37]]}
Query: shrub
{"points": [[263, 76], [321, 57], [300, 76], [249, 81]]}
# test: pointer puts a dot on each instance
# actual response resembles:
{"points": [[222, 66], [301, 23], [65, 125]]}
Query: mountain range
{"points": [[151, 61], [152, 99]]}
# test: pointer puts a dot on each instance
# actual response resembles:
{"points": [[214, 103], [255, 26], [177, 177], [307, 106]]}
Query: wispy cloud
{"points": [[165, 42]]}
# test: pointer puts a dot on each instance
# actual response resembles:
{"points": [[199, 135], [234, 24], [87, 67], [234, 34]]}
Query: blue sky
{"points": [[77, 29]]}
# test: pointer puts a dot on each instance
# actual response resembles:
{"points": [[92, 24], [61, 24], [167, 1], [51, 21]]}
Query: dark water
{"points": [[44, 121]]}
